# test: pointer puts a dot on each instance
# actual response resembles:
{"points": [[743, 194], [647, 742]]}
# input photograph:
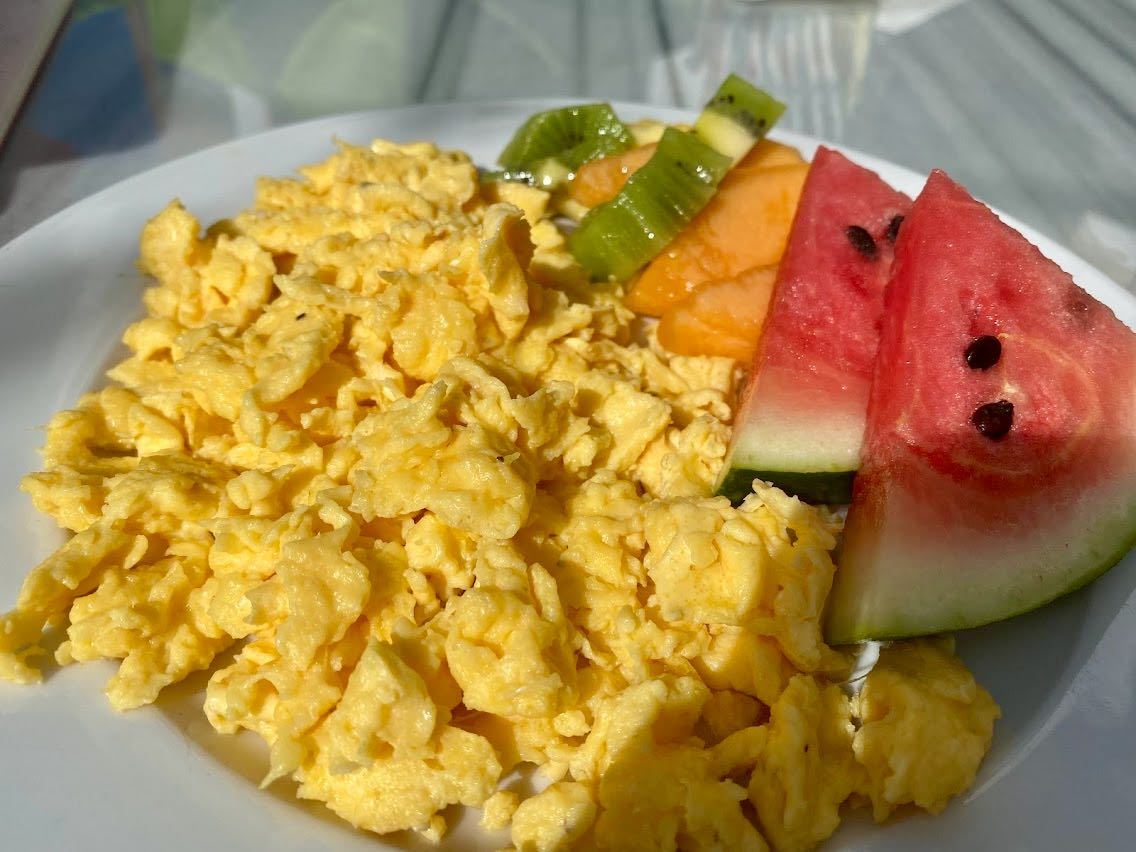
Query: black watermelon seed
{"points": [[983, 352], [861, 241], [994, 419], [746, 119], [893, 229]]}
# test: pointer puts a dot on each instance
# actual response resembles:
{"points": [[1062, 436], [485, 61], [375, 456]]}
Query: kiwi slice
{"points": [[546, 174], [618, 237], [550, 145], [736, 117]]}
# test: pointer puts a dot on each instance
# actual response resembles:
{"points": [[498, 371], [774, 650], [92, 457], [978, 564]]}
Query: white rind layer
{"points": [[723, 134], [898, 576], [805, 446]]}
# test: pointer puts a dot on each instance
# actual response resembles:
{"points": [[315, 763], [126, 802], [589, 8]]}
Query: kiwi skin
{"points": [[571, 136], [745, 104]]}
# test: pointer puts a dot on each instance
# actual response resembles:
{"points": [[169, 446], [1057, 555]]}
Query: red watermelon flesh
{"points": [[801, 420], [950, 528]]}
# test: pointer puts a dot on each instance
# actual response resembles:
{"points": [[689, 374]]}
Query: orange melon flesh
{"points": [[746, 224], [767, 154], [721, 317], [600, 180]]}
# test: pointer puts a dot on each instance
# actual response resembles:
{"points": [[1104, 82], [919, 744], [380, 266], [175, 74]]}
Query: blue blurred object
{"points": [[92, 97], [27, 29]]}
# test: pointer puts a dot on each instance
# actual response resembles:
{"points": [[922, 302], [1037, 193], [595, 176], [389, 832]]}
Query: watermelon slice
{"points": [[999, 468], [801, 420]]}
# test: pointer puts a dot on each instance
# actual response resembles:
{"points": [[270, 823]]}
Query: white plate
{"points": [[74, 774]]}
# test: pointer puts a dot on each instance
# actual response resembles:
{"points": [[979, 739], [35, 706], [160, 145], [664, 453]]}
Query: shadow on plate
{"points": [[246, 756], [1029, 663]]}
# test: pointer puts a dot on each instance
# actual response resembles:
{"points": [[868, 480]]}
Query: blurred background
{"points": [[1030, 103]]}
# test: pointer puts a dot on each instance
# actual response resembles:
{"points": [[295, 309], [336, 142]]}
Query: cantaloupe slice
{"points": [[600, 180], [746, 224], [721, 317], [767, 154]]}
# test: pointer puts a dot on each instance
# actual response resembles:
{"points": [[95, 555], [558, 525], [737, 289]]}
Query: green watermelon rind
{"points": [[829, 487], [1120, 531], [806, 453]]}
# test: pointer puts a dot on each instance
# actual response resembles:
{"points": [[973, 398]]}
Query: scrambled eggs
{"points": [[379, 433]]}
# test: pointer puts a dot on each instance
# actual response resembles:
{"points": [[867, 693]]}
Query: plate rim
{"points": [[535, 104]]}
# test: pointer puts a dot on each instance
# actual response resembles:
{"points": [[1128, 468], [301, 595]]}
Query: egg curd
{"points": [[378, 436]]}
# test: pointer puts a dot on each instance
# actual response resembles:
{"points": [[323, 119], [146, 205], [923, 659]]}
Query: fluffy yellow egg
{"points": [[449, 511]]}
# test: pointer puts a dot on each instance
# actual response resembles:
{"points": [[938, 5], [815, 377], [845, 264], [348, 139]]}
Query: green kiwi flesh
{"points": [[551, 145], [736, 117], [658, 200]]}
